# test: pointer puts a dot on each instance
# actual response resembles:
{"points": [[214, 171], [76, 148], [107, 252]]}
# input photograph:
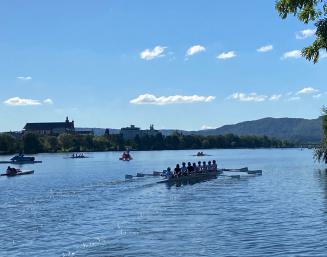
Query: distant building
{"points": [[131, 132], [150, 132], [50, 128]]}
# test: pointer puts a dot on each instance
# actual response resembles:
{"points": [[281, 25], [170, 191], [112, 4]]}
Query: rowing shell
{"points": [[27, 172], [192, 177]]}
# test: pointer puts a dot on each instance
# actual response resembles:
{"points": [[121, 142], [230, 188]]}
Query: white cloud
{"points": [[307, 90], [323, 55], [275, 97], [264, 49], [175, 99], [149, 54], [48, 101], [17, 101], [292, 54], [317, 96], [206, 127], [226, 55], [252, 97], [24, 78], [195, 49], [294, 98], [303, 34]]}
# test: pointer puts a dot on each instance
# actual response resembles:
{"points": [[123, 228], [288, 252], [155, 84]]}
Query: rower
{"points": [[177, 170], [190, 168], [184, 169], [11, 171], [199, 167], [194, 167], [204, 167], [209, 166], [168, 173], [214, 165]]}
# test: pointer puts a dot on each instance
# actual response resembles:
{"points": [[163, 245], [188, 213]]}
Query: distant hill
{"points": [[292, 129]]}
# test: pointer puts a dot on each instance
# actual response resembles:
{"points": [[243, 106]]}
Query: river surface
{"points": [[84, 207]]}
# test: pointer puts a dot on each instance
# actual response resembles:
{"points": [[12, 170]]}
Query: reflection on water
{"points": [[86, 208]]}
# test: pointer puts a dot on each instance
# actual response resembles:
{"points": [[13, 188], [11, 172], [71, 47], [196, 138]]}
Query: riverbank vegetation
{"points": [[321, 151], [34, 143]]}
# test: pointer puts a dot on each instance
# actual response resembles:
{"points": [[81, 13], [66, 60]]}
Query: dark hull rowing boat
{"points": [[27, 172], [20, 162], [192, 177]]}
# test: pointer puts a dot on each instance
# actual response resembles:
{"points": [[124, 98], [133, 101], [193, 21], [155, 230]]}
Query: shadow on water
{"points": [[188, 181], [322, 180]]}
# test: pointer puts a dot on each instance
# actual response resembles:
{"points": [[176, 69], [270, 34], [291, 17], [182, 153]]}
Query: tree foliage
{"points": [[321, 151], [34, 143], [308, 11]]}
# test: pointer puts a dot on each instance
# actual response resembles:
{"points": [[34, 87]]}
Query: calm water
{"points": [[86, 208]]}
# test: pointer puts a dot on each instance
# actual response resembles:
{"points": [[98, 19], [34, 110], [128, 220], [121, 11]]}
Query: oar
{"points": [[255, 172], [231, 176], [245, 169], [141, 175]]}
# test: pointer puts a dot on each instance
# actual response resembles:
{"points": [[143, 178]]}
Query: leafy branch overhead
{"points": [[308, 11]]}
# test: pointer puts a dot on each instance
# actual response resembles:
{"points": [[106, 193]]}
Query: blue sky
{"points": [[176, 64]]}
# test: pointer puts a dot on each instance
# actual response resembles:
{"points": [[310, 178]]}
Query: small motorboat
{"points": [[21, 159], [18, 173]]}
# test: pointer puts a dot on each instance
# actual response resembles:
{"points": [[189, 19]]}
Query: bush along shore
{"points": [[30, 143]]}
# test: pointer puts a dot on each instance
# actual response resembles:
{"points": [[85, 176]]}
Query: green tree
{"points": [[8, 144], [321, 151], [32, 143], [308, 11]]}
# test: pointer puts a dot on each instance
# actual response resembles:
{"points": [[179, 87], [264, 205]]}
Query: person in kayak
{"points": [[11, 171]]}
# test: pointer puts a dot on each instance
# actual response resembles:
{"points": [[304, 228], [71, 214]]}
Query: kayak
{"points": [[26, 172]]}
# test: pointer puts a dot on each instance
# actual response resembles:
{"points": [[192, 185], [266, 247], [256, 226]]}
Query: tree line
{"points": [[35, 143]]}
